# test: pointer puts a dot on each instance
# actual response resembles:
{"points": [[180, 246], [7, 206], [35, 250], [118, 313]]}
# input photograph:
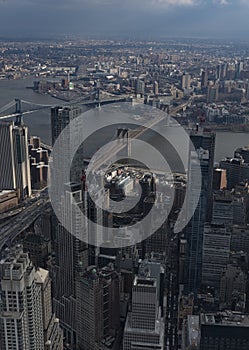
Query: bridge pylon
{"points": [[19, 118], [123, 134]]}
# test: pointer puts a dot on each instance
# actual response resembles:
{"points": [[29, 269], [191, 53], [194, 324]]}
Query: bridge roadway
{"points": [[98, 162], [76, 102], [11, 229], [133, 134], [115, 148]]}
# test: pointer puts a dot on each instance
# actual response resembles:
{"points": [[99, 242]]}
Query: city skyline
{"points": [[145, 244]]}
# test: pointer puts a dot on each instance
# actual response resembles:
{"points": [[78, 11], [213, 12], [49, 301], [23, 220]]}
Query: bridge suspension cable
{"points": [[36, 104], [8, 106], [18, 113]]}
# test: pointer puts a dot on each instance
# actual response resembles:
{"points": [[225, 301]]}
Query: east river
{"points": [[39, 122]]}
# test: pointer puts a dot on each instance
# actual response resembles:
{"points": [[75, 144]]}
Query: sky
{"points": [[125, 18]]}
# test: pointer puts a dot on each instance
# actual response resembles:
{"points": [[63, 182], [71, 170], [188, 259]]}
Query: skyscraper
{"points": [[223, 208], [70, 253], [140, 87], [237, 171], [155, 88], [215, 255], [52, 333], [98, 318], [186, 81], [144, 328], [213, 93], [204, 79], [14, 165], [69, 247], [26, 317], [61, 117], [204, 143], [219, 179]]}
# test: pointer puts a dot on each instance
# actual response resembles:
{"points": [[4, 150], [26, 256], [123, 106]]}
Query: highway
{"points": [[11, 213], [15, 226]]}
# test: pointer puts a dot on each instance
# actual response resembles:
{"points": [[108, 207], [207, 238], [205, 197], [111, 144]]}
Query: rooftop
{"points": [[141, 281], [225, 318]]}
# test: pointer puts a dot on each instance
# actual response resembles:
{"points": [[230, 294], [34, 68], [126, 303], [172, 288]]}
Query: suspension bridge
{"points": [[17, 108]]}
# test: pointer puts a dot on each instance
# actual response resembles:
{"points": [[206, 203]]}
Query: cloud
{"points": [[174, 2], [158, 18], [221, 2], [82, 3]]}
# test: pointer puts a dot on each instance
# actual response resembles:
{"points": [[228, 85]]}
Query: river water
{"points": [[39, 122]]}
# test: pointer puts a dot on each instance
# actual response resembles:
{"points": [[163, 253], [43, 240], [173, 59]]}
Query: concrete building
{"points": [[230, 207], [60, 118], [204, 79], [232, 286], [35, 141], [237, 171], [14, 165], [224, 331], [140, 87], [243, 152], [213, 93], [239, 209], [155, 88], [26, 317], [186, 81], [38, 163], [158, 241], [38, 243], [219, 179], [216, 251], [153, 269], [144, 328], [186, 308], [53, 336], [97, 312], [240, 239], [182, 260], [8, 200], [222, 208], [191, 333]]}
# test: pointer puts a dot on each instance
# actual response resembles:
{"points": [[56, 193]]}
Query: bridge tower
{"points": [[98, 94], [98, 97], [123, 134], [19, 119]]}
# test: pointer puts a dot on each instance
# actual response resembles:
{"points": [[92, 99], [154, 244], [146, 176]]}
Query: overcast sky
{"points": [[125, 18]]}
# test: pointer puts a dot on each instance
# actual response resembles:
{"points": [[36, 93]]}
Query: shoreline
{"points": [[232, 128]]}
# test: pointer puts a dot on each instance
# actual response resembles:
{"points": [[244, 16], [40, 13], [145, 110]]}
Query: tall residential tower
{"points": [[14, 165]]}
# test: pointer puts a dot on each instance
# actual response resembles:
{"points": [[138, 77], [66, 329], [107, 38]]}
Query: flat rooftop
{"points": [[226, 318], [142, 281]]}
